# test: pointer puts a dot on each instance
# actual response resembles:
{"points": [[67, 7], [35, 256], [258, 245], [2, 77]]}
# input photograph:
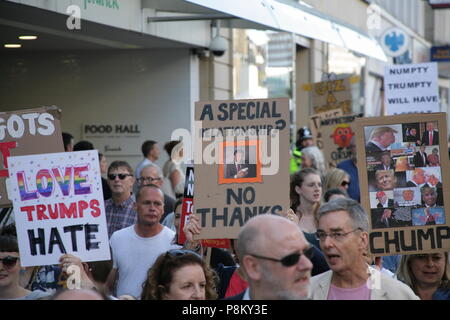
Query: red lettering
{"points": [[53, 212], [4, 149], [28, 210], [68, 212], [81, 206], [40, 209], [95, 208]]}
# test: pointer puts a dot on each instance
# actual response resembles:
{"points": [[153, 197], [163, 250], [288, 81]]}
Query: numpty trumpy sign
{"points": [[58, 207]]}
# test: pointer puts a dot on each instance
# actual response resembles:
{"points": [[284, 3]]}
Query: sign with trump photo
{"points": [[241, 163], [403, 179]]}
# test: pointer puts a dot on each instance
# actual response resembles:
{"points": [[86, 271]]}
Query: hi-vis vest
{"points": [[296, 161]]}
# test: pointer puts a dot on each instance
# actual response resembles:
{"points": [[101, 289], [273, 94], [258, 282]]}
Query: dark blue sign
{"points": [[440, 54]]}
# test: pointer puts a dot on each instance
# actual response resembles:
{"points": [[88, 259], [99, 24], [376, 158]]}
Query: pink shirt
{"points": [[360, 293]]}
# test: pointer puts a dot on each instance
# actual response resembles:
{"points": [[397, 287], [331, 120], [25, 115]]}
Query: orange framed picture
{"points": [[240, 162]]}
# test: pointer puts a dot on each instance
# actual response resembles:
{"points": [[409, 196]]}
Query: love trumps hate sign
{"points": [[58, 207]]}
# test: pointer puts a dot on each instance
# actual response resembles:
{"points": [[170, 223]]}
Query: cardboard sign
{"points": [[403, 170], [314, 124], [24, 132], [241, 163], [333, 137], [411, 88], [58, 207], [187, 209], [329, 95]]}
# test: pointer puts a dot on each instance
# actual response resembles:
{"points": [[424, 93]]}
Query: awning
{"points": [[293, 17]]}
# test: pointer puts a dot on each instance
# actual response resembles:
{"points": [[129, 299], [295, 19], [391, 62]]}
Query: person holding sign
{"points": [[136, 248], [427, 274], [343, 235]]}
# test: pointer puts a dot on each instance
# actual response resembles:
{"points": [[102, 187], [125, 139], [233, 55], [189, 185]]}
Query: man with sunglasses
{"points": [[343, 235], [274, 256], [120, 210]]}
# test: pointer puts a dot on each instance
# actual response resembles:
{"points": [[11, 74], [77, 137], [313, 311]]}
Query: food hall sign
{"points": [[114, 139]]}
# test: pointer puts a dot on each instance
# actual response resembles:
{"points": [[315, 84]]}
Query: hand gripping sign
{"points": [[58, 207]]}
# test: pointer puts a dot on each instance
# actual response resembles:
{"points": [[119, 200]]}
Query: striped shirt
{"points": [[119, 216]]}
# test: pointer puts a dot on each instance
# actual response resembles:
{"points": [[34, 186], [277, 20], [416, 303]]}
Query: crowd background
{"points": [[318, 249]]}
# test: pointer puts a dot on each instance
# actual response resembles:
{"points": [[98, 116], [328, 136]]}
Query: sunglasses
{"points": [[345, 183], [120, 175], [9, 262], [291, 259]]}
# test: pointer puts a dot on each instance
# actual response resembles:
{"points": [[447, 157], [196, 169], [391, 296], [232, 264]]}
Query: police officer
{"points": [[304, 139]]}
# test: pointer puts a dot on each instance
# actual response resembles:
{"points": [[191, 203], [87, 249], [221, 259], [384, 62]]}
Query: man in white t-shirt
{"points": [[136, 248]]}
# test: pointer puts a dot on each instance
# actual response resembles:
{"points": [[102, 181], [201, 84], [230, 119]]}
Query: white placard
{"points": [[58, 207], [411, 88]]}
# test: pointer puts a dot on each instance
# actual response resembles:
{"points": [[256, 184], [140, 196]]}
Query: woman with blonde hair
{"points": [[336, 178], [428, 275], [180, 274]]}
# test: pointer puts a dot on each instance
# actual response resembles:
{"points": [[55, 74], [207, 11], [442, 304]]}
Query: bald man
{"points": [[274, 257], [78, 294]]}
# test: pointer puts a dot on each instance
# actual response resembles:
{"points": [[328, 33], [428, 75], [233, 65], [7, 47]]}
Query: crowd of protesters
{"points": [[317, 250]]}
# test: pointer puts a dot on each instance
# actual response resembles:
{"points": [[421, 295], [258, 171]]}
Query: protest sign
{"points": [[314, 124], [23, 132], [404, 173], [333, 136], [329, 95], [241, 163], [411, 88], [58, 206], [186, 211]]}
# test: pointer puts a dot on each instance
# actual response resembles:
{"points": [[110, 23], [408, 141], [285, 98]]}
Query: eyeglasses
{"points": [[121, 176], [149, 179], [338, 236], [291, 259], [345, 183], [9, 262], [181, 252]]}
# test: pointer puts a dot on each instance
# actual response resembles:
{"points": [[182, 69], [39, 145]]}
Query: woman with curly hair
{"points": [[427, 274], [180, 274]]}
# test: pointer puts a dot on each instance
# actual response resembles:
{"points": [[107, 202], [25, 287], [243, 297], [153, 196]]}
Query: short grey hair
{"points": [[353, 208], [317, 158], [151, 165]]}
